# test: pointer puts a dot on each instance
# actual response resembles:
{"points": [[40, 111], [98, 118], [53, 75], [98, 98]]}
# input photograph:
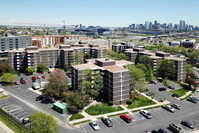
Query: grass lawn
{"points": [[11, 125], [76, 116], [140, 101], [2, 97], [102, 109], [180, 92]]}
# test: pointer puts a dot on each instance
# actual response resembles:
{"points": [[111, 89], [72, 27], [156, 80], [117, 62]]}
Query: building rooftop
{"points": [[189, 40], [86, 66], [115, 68], [105, 60], [123, 63]]}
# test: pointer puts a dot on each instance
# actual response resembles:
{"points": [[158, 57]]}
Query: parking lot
{"points": [[154, 88], [118, 122], [16, 109]]}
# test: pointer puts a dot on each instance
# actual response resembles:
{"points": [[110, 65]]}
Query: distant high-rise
{"points": [[155, 22], [80, 26], [182, 24], [147, 24]]}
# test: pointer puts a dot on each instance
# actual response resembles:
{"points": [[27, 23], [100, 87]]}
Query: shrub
{"points": [[143, 90], [110, 103], [130, 101]]}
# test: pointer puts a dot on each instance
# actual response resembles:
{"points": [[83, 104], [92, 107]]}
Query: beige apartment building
{"points": [[116, 78], [52, 57], [180, 62]]}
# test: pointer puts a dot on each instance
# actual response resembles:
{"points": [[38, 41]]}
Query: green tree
{"points": [[121, 56], [30, 69], [189, 68], [137, 77], [9, 78], [43, 123], [92, 83], [111, 53], [42, 67], [57, 85], [75, 100], [146, 60], [5, 67], [167, 68], [166, 82]]}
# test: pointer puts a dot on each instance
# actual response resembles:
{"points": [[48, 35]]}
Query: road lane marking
{"points": [[7, 106]]}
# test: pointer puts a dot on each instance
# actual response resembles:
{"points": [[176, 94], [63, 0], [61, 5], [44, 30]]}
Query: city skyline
{"points": [[102, 13]]}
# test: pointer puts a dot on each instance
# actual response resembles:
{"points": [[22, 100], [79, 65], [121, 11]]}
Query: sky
{"points": [[110, 13]]}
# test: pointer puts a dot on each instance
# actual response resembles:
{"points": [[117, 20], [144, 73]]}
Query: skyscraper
{"points": [[182, 24], [147, 25]]}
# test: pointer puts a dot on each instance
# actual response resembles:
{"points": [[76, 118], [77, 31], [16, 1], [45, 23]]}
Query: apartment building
{"points": [[52, 57], [122, 46], [116, 78], [49, 41], [14, 43], [180, 62], [97, 52]]}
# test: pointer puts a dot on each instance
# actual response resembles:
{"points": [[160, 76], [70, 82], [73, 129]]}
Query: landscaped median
{"points": [[102, 108], [76, 116], [139, 101]]}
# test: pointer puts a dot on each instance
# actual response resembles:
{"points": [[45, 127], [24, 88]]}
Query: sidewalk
{"points": [[4, 128], [189, 92]]}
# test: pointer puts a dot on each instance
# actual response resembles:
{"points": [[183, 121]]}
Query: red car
{"points": [[34, 78], [42, 72], [43, 76], [126, 118], [22, 81]]}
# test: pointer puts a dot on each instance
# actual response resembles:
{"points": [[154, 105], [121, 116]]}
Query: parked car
{"points": [[107, 121], [34, 78], [38, 77], [195, 97], [171, 87], [160, 79], [162, 89], [27, 73], [94, 125], [19, 74], [161, 131], [17, 83], [169, 108], [154, 81], [176, 106], [126, 118], [42, 72], [36, 86], [154, 131], [1, 90], [192, 100], [188, 124], [25, 120], [22, 81], [174, 95], [175, 128], [40, 97], [146, 114], [43, 76]]}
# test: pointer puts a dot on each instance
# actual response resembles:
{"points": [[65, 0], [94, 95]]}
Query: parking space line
{"points": [[136, 117], [2, 101], [15, 109], [17, 112], [30, 95], [11, 107], [7, 106], [27, 92], [21, 114], [117, 121]]}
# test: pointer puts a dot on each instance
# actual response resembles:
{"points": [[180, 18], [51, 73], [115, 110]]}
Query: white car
{"points": [[146, 114], [169, 108], [94, 125], [176, 106]]}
